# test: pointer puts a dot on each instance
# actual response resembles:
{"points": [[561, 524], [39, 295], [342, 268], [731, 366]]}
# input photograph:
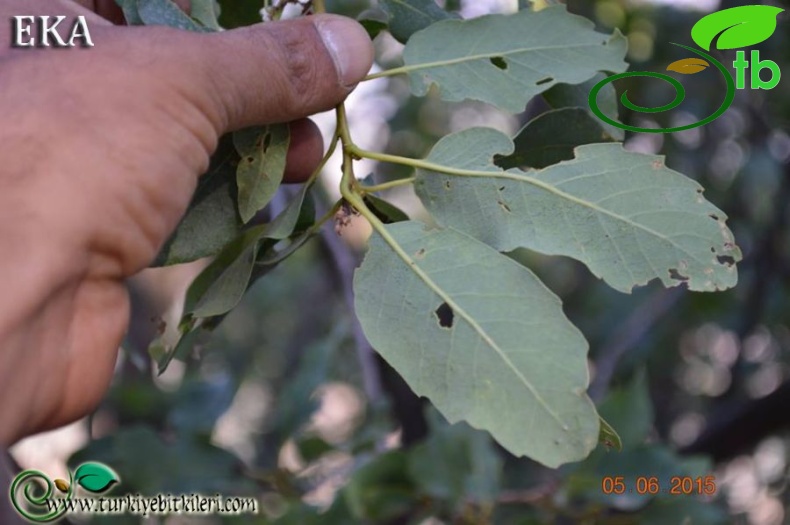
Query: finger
{"points": [[273, 72], [304, 152]]}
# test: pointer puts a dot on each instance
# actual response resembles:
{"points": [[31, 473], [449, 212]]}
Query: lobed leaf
{"points": [[625, 215], [487, 342], [507, 60]]}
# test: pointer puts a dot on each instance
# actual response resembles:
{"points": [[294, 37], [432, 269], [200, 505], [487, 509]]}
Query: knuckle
{"points": [[304, 65]]}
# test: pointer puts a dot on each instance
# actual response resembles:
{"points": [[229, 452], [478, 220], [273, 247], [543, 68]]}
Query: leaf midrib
{"points": [[427, 165], [414, 267], [480, 56]]}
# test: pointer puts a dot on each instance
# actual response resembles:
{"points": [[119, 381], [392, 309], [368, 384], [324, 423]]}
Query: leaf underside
{"points": [[406, 17], [261, 167], [625, 215], [507, 60], [486, 342]]}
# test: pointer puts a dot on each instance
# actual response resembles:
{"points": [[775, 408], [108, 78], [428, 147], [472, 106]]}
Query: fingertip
{"points": [[304, 152], [349, 45]]}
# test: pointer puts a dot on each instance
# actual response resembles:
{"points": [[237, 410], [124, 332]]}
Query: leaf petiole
{"points": [[388, 185]]}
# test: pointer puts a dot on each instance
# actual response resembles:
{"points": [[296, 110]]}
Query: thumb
{"points": [[273, 72]]}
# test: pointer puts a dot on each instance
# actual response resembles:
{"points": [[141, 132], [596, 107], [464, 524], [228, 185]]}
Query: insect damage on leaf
{"points": [[471, 346], [507, 60], [627, 216]]}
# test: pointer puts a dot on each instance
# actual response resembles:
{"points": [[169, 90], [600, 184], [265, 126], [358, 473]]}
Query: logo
{"points": [[728, 29], [33, 488], [39, 499]]}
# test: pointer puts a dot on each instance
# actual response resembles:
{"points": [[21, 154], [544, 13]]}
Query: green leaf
{"points": [[191, 336], [486, 342], [212, 220], [205, 12], [456, 463], [140, 456], [551, 137], [683, 510], [130, 12], [262, 165], [374, 21], [296, 401], [221, 285], [736, 27], [406, 17], [167, 13], [312, 448], [506, 60], [625, 215], [630, 410], [570, 95], [299, 210], [386, 212], [381, 490], [238, 13], [95, 477], [609, 437]]}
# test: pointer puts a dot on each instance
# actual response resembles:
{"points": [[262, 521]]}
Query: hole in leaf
{"points": [[544, 81], [673, 274], [504, 206], [501, 188], [420, 253], [445, 315], [713, 216], [499, 62], [250, 159], [726, 260], [266, 141], [447, 185]]}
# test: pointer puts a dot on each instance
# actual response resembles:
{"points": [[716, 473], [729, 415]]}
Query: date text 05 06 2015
{"points": [[678, 485]]}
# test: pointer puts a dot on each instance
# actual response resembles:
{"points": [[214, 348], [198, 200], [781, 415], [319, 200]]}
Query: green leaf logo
{"points": [[95, 477], [739, 27]]}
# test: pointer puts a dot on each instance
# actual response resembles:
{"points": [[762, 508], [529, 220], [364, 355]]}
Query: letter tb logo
{"points": [[729, 29]]}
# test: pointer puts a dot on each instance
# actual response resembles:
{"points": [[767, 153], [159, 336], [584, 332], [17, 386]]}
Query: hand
{"points": [[101, 151]]}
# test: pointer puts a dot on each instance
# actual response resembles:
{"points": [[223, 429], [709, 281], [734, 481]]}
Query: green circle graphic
{"points": [[679, 97], [27, 479]]}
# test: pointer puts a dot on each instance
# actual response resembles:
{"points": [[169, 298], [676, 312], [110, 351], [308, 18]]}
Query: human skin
{"points": [[100, 151]]}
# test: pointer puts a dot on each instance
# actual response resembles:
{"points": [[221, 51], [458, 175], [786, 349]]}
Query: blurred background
{"points": [[287, 402]]}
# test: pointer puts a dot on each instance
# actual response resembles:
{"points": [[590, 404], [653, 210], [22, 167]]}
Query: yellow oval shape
{"points": [[688, 66], [62, 485]]}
